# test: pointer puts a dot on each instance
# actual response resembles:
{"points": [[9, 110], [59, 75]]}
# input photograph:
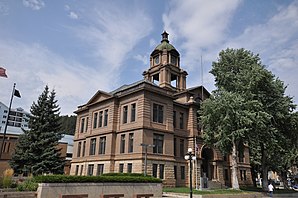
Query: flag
{"points": [[2, 72], [17, 93]]}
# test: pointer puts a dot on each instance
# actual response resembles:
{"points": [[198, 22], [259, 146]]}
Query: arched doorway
{"points": [[207, 167]]}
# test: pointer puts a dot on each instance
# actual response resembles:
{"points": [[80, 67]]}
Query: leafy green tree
{"points": [[227, 119], [287, 155], [260, 104], [40, 142]]}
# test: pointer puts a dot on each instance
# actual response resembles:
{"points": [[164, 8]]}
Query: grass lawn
{"points": [[224, 191], [276, 191], [203, 192]]}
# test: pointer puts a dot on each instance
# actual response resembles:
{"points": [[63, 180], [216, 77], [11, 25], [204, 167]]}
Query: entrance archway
{"points": [[207, 167]]}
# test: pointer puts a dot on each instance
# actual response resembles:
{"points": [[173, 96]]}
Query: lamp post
{"points": [[146, 146], [190, 156]]}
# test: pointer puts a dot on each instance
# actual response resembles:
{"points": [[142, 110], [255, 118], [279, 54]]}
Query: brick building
{"points": [[17, 120], [11, 140], [158, 112]]}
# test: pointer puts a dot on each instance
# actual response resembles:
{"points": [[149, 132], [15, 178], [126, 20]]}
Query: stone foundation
{"points": [[99, 190]]}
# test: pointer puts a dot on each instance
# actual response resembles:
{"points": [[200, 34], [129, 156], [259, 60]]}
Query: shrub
{"points": [[125, 174], [27, 185], [111, 178], [7, 178]]}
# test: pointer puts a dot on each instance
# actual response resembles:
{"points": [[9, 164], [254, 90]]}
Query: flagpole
{"points": [[5, 128], [196, 162]]}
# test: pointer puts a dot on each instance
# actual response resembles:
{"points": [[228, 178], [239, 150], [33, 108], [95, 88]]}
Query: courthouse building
{"points": [[148, 126]]}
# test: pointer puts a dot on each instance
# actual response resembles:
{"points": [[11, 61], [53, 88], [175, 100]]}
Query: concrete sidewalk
{"points": [[250, 195]]}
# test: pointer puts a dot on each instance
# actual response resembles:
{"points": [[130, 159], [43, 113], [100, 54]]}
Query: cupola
{"points": [[165, 68]]}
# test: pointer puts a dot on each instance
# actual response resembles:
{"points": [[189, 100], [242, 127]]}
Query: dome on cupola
{"points": [[164, 44]]}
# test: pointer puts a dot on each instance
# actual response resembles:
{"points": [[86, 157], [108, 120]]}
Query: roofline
{"points": [[193, 88], [115, 93]]}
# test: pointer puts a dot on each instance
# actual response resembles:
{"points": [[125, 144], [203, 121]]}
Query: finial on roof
{"points": [[165, 37]]}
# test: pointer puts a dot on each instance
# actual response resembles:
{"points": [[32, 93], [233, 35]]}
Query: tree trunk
{"points": [[284, 179], [235, 183], [264, 170], [253, 175]]}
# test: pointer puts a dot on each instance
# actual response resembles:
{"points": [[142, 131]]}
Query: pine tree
{"points": [[20, 159], [39, 144]]}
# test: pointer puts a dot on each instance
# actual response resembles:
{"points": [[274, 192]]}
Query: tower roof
{"points": [[165, 44]]}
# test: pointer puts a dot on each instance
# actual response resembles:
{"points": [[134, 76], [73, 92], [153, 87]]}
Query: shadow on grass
{"points": [[259, 189], [226, 191], [202, 192]]}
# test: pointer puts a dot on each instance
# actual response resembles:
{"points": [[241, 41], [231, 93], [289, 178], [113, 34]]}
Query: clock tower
{"points": [[165, 68]]}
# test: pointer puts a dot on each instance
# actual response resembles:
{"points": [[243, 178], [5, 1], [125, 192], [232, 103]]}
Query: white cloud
{"points": [[142, 58], [73, 15], [277, 43], [34, 4], [200, 23], [152, 43], [67, 7], [109, 34], [112, 32], [198, 27], [36, 66], [4, 9], [200, 31]]}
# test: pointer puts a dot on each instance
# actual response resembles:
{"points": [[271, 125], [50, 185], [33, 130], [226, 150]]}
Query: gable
{"points": [[99, 96]]}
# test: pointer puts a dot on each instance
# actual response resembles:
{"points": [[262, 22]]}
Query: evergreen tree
{"points": [[20, 159], [40, 142]]}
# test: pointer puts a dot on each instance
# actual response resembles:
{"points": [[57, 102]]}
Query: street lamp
{"points": [[146, 146], [190, 156]]}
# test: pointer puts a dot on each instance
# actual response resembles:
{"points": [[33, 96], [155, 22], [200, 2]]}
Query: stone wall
{"points": [[99, 190], [18, 195]]}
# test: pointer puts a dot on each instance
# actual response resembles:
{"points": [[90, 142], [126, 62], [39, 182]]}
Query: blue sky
{"points": [[78, 47]]}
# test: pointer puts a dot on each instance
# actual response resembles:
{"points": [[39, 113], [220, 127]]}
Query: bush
{"points": [[125, 174], [111, 178], [7, 178], [27, 185]]}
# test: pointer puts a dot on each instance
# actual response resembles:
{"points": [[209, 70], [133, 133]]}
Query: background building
{"points": [[160, 112], [17, 120]]}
